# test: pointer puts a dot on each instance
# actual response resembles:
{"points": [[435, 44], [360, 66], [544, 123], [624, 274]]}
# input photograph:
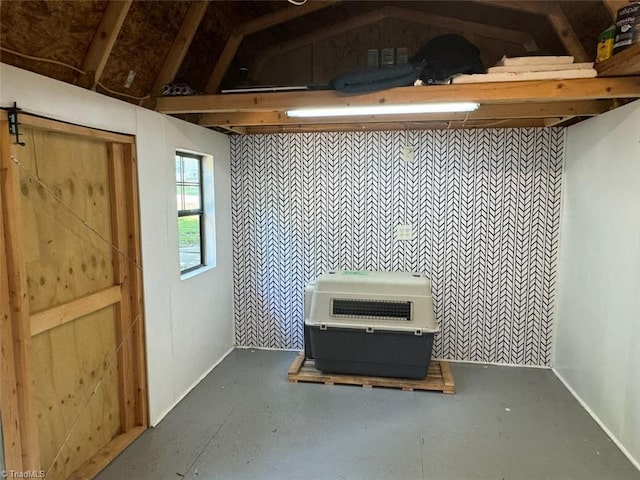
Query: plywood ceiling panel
{"points": [[143, 43], [56, 30]]}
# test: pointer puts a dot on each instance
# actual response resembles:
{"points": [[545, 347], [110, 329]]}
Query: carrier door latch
{"points": [[368, 329], [417, 332]]}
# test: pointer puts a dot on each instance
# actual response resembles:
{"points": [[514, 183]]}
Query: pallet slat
{"points": [[439, 377]]}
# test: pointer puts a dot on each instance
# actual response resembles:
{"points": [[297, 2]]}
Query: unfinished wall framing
{"points": [[72, 383]]}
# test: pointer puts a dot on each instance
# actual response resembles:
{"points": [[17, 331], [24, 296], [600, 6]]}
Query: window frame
{"points": [[190, 213]]}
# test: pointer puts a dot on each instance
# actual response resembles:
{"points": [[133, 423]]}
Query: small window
{"points": [[191, 226]]}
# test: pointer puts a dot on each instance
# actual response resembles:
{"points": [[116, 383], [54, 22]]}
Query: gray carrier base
{"points": [[382, 354], [370, 323]]}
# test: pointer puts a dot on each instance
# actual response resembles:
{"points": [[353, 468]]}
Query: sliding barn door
{"points": [[72, 258]]}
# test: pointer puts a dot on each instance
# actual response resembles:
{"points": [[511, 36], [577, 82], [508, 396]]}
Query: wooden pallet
{"points": [[439, 377]]}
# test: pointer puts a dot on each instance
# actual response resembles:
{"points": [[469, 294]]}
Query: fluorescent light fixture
{"points": [[384, 109]]}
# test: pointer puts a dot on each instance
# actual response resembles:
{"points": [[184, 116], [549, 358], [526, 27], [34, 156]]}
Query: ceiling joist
{"points": [[261, 23], [103, 41], [536, 91], [485, 112], [180, 45]]}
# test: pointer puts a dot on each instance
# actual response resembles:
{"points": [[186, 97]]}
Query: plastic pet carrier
{"points": [[370, 323]]}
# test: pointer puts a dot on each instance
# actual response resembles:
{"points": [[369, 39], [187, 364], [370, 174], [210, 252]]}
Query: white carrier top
{"points": [[395, 301]]}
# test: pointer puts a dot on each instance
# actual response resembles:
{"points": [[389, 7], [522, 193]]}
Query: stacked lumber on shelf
{"points": [[531, 68]]}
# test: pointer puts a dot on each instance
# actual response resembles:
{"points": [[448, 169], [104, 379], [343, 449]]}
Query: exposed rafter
{"points": [[261, 23], [567, 34], [224, 60], [180, 45], [103, 41]]}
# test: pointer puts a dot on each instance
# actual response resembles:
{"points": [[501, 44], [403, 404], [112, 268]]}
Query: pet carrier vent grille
{"points": [[371, 309]]}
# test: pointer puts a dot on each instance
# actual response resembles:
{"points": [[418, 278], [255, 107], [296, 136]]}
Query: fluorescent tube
{"points": [[384, 109]]}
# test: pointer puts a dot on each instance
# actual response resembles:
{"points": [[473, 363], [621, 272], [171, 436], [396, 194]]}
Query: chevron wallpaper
{"points": [[484, 205]]}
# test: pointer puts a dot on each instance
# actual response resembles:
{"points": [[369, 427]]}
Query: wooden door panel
{"points": [[66, 207], [66, 204], [76, 390], [73, 385]]}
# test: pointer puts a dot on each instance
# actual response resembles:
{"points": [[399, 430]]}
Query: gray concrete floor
{"points": [[244, 421]]}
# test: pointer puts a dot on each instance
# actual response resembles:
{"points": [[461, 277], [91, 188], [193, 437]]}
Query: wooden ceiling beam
{"points": [[180, 45], [534, 91], [103, 41], [567, 34], [261, 23], [519, 110], [224, 60]]}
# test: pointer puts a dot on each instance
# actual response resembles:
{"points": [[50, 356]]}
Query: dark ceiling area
{"points": [[36, 35], [131, 49]]}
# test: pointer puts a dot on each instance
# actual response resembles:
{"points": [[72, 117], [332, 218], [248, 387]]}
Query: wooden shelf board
{"points": [[535, 103]]}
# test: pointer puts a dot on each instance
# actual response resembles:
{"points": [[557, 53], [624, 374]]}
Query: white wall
{"points": [[598, 323], [188, 323]]}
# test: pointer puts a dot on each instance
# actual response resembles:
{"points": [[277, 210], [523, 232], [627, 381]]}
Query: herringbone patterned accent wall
{"points": [[484, 205]]}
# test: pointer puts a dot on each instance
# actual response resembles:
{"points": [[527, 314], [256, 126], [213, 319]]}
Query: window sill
{"points": [[196, 272]]}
